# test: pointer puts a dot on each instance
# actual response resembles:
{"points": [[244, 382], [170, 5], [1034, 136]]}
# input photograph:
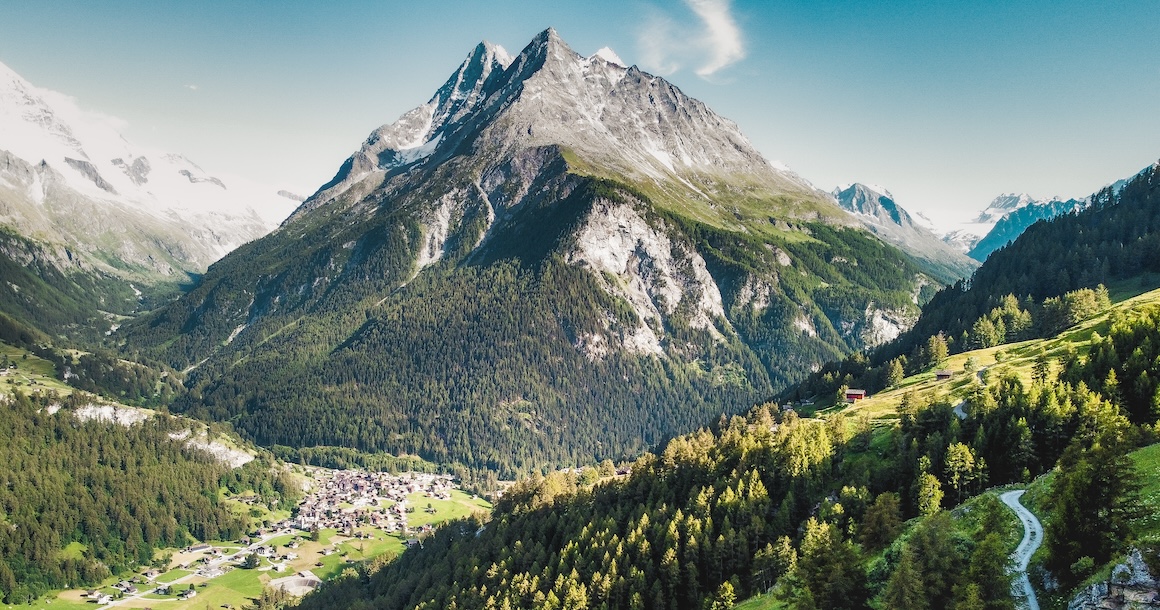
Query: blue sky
{"points": [[947, 104]]}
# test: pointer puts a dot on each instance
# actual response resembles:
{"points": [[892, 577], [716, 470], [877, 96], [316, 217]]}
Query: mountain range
{"points": [[88, 208], [877, 210], [556, 256]]}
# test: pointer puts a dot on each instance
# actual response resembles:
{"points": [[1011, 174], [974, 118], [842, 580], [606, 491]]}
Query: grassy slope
{"points": [[460, 505], [31, 373], [1017, 358]]}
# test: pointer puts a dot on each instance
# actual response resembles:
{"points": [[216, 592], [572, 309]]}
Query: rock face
{"points": [[875, 208], [550, 243], [1131, 586]]}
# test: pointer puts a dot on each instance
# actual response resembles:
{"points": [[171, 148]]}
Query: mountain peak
{"points": [[871, 200], [613, 120], [545, 49], [547, 37]]}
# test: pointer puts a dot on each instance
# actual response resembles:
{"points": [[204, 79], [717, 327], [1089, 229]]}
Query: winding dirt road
{"points": [[1032, 538]]}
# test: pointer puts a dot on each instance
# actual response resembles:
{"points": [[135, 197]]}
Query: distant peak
{"points": [[876, 189], [548, 43], [486, 51], [548, 35], [609, 56]]}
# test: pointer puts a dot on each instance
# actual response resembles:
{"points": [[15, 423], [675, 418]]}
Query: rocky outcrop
{"points": [[1131, 586], [646, 268]]}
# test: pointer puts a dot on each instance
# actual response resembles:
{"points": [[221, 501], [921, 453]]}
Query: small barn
{"points": [[944, 374], [855, 395]]}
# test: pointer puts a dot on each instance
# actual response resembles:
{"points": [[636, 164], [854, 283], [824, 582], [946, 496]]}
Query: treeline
{"points": [[1012, 320], [103, 372], [345, 458], [100, 371], [121, 493]]}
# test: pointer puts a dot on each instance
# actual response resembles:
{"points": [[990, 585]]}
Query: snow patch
{"points": [[609, 56], [421, 151]]}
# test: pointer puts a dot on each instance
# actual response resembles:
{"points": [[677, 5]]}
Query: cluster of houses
{"points": [[347, 499], [341, 499], [124, 587]]}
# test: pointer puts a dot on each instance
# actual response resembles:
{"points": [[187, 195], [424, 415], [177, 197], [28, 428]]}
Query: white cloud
{"points": [[710, 44], [192, 87], [722, 37]]}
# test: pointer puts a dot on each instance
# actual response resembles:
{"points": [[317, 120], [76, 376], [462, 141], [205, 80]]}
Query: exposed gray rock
{"points": [[1131, 586], [90, 171], [138, 171], [196, 179]]}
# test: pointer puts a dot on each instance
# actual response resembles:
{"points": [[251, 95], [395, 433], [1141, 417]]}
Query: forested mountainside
{"points": [[43, 288], [114, 492], [1118, 236], [814, 510], [1039, 284], [483, 283]]}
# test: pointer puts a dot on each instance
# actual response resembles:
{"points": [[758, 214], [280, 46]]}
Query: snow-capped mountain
{"points": [[1012, 224], [875, 208], [68, 178], [1009, 214], [1004, 219]]}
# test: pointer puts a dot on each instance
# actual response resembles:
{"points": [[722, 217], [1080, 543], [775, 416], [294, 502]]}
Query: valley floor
{"points": [[358, 515]]}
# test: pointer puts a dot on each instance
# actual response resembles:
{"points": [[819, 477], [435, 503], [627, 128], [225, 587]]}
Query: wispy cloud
{"points": [[192, 87], [710, 43], [722, 37]]}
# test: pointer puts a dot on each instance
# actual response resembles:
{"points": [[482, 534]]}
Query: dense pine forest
{"points": [[112, 494], [1118, 236], [326, 334], [831, 513]]}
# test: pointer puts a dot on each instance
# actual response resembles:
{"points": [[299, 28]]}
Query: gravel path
{"points": [[1032, 538]]}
